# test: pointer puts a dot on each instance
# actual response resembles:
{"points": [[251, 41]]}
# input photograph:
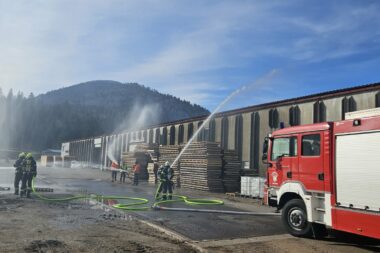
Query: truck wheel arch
{"points": [[287, 197], [294, 190]]}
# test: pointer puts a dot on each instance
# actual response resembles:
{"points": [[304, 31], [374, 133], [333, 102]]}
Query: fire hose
{"points": [[139, 204]]}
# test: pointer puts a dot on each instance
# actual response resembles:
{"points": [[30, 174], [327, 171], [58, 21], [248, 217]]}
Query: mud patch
{"points": [[46, 246], [10, 204]]}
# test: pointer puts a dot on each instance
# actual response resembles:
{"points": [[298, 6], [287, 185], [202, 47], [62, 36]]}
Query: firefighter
{"points": [[136, 171], [18, 172], [29, 171], [155, 171], [123, 172], [114, 169], [166, 174]]}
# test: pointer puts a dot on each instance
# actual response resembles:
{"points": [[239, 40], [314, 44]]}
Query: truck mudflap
{"points": [[357, 222]]}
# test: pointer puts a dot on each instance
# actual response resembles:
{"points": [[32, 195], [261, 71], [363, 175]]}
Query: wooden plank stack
{"points": [[201, 167], [231, 171], [169, 153], [150, 172], [143, 154]]}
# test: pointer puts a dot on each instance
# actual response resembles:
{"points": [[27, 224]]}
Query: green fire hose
{"points": [[138, 204]]}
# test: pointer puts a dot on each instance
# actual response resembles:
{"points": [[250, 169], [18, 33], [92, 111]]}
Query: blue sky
{"points": [[197, 50]]}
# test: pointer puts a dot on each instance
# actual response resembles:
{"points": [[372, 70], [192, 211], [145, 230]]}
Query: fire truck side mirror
{"points": [[265, 149]]}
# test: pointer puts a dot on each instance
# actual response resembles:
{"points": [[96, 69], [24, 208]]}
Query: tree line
{"points": [[37, 123]]}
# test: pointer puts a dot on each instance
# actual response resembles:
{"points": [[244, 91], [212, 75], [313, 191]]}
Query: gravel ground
{"points": [[32, 225], [36, 226]]}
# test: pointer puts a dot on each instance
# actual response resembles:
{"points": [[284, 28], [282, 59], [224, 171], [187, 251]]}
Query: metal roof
{"points": [[298, 100], [291, 101]]}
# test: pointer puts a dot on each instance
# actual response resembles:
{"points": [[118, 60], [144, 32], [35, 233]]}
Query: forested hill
{"points": [[84, 110]]}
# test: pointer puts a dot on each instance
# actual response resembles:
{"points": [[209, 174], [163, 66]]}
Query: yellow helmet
{"points": [[29, 155], [22, 155]]}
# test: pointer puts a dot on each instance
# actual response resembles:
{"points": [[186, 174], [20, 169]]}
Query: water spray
{"points": [[139, 204], [256, 83]]}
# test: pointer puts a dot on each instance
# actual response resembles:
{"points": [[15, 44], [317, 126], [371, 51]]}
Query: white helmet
{"points": [[167, 163]]}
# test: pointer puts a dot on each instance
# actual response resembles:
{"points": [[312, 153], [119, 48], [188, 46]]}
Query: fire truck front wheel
{"points": [[294, 217]]}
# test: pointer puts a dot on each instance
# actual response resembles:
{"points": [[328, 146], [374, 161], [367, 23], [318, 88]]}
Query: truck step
{"points": [[320, 209], [319, 222]]}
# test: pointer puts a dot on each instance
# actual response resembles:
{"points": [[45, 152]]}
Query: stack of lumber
{"points": [[201, 167], [231, 171], [129, 159], [144, 154], [169, 153], [146, 147], [150, 172]]}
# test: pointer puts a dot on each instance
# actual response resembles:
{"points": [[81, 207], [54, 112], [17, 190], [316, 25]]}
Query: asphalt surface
{"points": [[195, 226]]}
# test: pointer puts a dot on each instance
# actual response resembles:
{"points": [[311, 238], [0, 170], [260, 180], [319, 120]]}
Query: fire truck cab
{"points": [[327, 175]]}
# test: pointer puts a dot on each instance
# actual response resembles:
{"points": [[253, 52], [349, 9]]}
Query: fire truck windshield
{"points": [[286, 146]]}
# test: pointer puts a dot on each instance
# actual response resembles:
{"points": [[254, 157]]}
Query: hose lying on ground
{"points": [[139, 204]]}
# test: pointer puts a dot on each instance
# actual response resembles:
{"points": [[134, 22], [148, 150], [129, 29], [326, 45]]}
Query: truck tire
{"points": [[294, 217]]}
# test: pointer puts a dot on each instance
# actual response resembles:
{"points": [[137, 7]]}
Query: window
{"points": [[255, 141], [212, 127], [348, 105], [181, 133], [145, 135], [319, 112], [273, 118], [150, 141], [139, 135], [284, 147], [190, 131], [311, 145], [172, 135], [294, 116], [157, 136], [239, 135], [224, 133], [164, 136], [201, 134], [377, 97]]}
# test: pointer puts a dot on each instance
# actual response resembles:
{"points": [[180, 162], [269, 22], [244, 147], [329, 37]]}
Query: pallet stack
{"points": [[144, 154], [169, 153], [150, 172], [201, 167], [231, 171]]}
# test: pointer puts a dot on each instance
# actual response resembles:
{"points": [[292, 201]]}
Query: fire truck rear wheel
{"points": [[294, 217]]}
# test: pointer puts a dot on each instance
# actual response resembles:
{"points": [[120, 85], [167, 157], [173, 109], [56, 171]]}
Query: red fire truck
{"points": [[327, 175]]}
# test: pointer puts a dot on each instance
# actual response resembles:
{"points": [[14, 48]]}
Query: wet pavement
{"points": [[195, 226]]}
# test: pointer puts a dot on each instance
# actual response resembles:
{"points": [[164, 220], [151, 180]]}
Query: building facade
{"points": [[242, 130]]}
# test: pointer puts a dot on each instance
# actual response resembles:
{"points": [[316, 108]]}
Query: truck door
{"points": [[311, 161], [284, 160]]}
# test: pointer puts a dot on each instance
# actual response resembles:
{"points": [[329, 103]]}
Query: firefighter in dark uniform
{"points": [[18, 172], [30, 171], [166, 174]]}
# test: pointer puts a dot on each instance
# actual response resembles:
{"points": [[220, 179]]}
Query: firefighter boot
{"points": [[28, 193], [16, 191]]}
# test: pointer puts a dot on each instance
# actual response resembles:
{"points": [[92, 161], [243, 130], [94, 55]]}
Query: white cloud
{"points": [[183, 48]]}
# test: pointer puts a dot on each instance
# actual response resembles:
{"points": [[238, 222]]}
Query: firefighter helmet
{"points": [[29, 155], [21, 155], [167, 163]]}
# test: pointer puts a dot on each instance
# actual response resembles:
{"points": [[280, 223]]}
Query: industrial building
{"points": [[242, 130]]}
